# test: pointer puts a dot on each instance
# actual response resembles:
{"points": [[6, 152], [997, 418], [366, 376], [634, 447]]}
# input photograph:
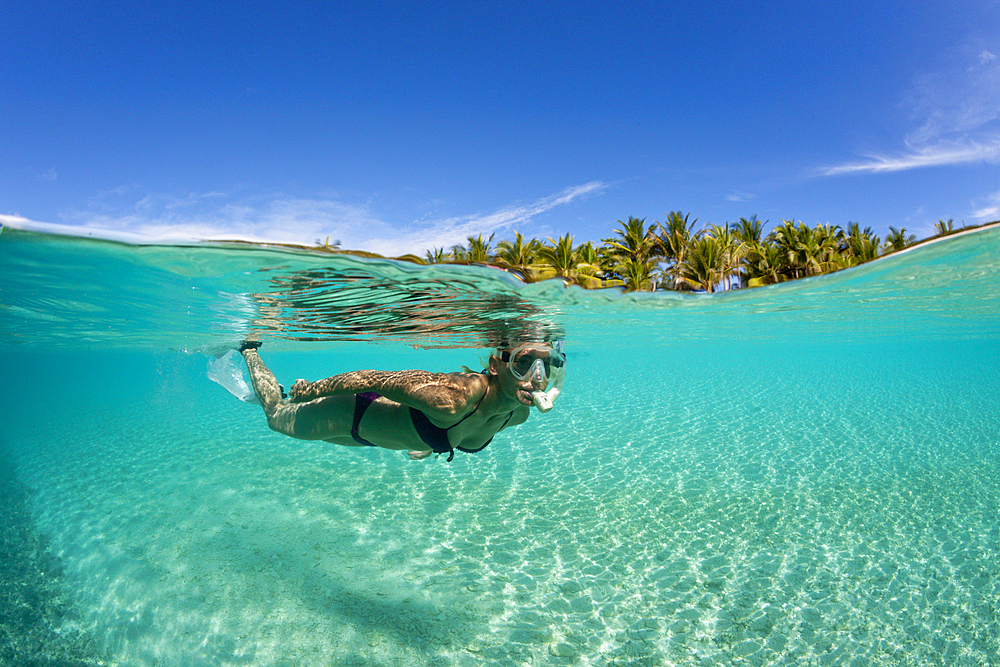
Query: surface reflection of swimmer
{"points": [[418, 411]]}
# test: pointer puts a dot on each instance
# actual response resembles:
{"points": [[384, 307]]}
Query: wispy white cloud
{"points": [[217, 216], [451, 231], [738, 196], [956, 119], [282, 219], [989, 207], [936, 155]]}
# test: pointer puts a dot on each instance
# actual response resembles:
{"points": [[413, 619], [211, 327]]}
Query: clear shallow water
{"points": [[800, 475]]}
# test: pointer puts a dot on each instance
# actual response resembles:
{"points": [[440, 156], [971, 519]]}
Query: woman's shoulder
{"points": [[452, 393]]}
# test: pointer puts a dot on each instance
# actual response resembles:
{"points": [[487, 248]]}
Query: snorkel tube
{"points": [[543, 399]]}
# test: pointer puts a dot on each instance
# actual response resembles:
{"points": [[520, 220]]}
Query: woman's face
{"points": [[521, 389], [514, 373]]}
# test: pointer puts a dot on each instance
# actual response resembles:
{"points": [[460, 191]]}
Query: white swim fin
{"points": [[227, 371]]}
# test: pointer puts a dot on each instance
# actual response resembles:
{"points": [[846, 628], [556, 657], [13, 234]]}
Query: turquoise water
{"points": [[803, 474]]}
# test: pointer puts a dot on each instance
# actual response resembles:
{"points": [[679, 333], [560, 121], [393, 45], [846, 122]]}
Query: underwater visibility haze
{"points": [[807, 473]]}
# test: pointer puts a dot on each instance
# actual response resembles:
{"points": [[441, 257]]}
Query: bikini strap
{"points": [[476, 451], [470, 413]]}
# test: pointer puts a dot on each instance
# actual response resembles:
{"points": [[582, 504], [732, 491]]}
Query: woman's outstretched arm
{"points": [[443, 394]]}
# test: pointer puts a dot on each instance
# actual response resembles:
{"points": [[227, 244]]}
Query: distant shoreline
{"points": [[128, 238], [639, 260], [941, 237]]}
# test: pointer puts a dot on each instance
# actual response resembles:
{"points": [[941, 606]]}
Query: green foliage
{"points": [[705, 265], [519, 253], [479, 250], [674, 240], [748, 231], [435, 256], [635, 241], [897, 239], [673, 255], [943, 227], [560, 255], [637, 274]]}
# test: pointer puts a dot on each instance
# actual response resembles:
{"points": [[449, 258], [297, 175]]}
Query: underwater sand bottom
{"points": [[754, 541]]}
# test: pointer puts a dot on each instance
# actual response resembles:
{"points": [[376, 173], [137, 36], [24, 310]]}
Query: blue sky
{"points": [[397, 127]]}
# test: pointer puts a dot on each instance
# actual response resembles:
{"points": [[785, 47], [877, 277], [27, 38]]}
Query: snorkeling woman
{"points": [[418, 411]]}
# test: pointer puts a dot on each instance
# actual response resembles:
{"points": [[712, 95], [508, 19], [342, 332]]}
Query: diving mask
{"points": [[541, 365]]}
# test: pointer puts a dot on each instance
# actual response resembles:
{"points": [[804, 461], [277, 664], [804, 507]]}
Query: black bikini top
{"points": [[436, 437]]}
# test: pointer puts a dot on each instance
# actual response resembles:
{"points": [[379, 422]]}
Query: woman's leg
{"points": [[265, 385], [320, 419]]}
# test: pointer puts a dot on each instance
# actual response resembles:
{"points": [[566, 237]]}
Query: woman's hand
{"points": [[299, 393], [419, 454]]}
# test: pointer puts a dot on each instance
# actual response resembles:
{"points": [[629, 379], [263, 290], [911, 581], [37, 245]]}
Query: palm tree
{"points": [[518, 254], [560, 256], [705, 264], [828, 240], [479, 250], [732, 251], [864, 249], [748, 231], [897, 239], [435, 256], [942, 227], [763, 264], [635, 241], [608, 264], [634, 253], [805, 250], [637, 274], [860, 245], [588, 260], [786, 240], [675, 237], [581, 266]]}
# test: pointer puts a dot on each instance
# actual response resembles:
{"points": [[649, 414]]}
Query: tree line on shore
{"points": [[674, 255]]}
